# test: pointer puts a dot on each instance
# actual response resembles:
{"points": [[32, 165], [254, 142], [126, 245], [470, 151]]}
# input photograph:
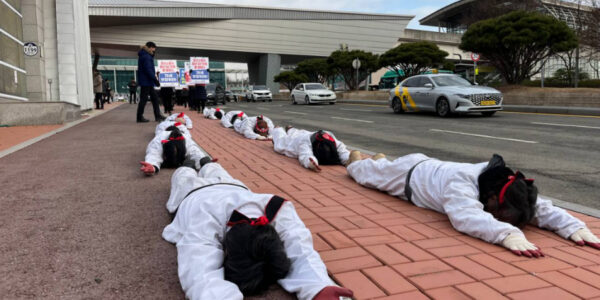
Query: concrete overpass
{"points": [[263, 37]]}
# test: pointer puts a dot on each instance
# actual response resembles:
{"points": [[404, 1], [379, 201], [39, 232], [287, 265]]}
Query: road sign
{"points": [[475, 56], [356, 63]]}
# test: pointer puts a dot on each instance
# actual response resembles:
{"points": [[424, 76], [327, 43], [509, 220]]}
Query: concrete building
{"points": [[45, 49], [263, 37], [45, 68]]}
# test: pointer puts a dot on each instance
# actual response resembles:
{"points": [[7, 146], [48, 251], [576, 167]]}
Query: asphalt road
{"points": [[562, 153]]}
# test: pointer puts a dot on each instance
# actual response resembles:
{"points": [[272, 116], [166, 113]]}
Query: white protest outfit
{"points": [[154, 151], [451, 188], [296, 144], [246, 126], [210, 113], [188, 121], [200, 225], [226, 119], [162, 126]]}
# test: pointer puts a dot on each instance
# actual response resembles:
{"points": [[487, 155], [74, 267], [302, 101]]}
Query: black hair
{"points": [[150, 45], [174, 150], [233, 118], [254, 257], [519, 203], [520, 197], [324, 150], [218, 114]]}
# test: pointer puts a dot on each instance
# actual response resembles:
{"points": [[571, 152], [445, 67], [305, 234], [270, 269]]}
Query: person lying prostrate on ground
{"points": [[485, 200], [213, 113], [311, 148], [182, 118], [169, 149], [255, 128], [233, 243], [162, 126], [229, 118]]}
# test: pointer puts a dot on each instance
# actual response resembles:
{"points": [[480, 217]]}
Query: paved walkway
{"points": [[78, 220], [383, 247]]}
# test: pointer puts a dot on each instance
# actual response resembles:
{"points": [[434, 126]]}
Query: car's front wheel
{"points": [[488, 113], [442, 108], [397, 106], [294, 100], [306, 100]]}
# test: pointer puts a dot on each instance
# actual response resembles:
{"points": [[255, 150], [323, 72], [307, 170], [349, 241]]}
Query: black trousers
{"points": [[98, 101], [166, 95], [132, 97], [202, 104], [148, 91]]}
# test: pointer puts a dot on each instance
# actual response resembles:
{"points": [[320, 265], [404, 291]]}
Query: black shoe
{"points": [[160, 118], [205, 160], [142, 120]]}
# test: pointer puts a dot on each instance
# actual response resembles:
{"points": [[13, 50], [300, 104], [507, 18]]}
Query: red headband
{"points": [[180, 115], [325, 136], [179, 138], [261, 130], [511, 180], [240, 114], [218, 109]]}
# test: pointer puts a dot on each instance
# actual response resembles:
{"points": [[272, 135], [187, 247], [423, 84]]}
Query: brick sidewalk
{"points": [[384, 248]]}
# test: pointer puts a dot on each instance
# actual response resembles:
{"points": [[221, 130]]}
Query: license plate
{"points": [[488, 102]]}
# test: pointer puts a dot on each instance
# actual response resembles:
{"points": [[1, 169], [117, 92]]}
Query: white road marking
{"points": [[565, 125], [485, 136], [355, 120], [355, 109], [293, 112]]}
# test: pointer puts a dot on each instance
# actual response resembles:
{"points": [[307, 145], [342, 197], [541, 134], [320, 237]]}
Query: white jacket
{"points": [[246, 126], [451, 188], [296, 143], [210, 113], [226, 119], [154, 151], [199, 228], [188, 121]]}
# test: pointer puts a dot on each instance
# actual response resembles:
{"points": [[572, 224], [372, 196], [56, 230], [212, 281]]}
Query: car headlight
{"points": [[463, 96]]}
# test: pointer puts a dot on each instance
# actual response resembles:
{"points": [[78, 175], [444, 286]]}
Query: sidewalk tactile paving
{"points": [[385, 248]]}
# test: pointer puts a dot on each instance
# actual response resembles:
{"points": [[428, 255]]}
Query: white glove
{"points": [[260, 137], [519, 245], [584, 236]]}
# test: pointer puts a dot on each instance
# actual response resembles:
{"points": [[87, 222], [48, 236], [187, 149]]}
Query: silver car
{"points": [[444, 94]]}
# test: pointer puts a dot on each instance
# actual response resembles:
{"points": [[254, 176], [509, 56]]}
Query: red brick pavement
{"points": [[384, 248]]}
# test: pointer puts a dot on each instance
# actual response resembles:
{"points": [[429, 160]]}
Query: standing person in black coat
{"points": [[193, 98], [201, 95], [147, 81], [132, 85]]}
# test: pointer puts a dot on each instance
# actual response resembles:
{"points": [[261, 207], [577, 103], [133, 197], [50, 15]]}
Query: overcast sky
{"points": [[418, 8]]}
